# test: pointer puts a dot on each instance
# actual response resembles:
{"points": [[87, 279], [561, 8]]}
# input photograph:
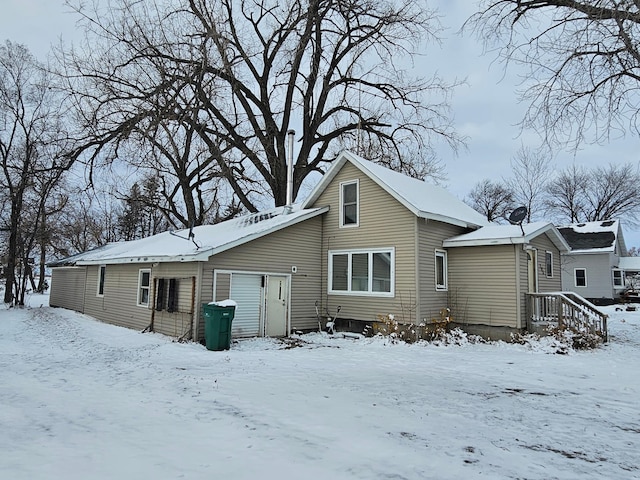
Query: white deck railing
{"points": [[566, 309]]}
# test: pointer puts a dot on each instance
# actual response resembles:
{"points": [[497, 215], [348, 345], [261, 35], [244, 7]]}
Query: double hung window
{"points": [[349, 211], [144, 286], [441, 270]]}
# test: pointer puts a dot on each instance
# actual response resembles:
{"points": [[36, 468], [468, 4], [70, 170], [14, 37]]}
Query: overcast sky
{"points": [[485, 110]]}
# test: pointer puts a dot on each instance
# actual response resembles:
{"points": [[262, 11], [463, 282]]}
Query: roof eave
{"points": [[445, 219], [485, 242]]}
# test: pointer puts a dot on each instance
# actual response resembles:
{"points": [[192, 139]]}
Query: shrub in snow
{"points": [[457, 336], [577, 339], [437, 330]]}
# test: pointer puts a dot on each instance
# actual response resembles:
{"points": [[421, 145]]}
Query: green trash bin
{"points": [[217, 325]]}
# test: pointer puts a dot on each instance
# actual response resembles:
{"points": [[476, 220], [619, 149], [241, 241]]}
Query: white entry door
{"points": [[246, 291], [277, 296]]}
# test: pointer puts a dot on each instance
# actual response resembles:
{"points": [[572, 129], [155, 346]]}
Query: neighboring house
{"points": [[630, 267], [369, 240], [592, 268]]}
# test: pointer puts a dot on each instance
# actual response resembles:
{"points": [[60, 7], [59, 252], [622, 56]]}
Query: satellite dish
{"points": [[518, 215]]}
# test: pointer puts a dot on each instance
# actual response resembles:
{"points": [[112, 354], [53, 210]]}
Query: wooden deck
{"points": [[565, 309]]}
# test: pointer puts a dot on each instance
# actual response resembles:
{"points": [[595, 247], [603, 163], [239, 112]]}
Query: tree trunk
{"points": [[12, 254]]}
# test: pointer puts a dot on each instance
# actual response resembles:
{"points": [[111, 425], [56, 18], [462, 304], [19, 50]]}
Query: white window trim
{"points": [[140, 272], [575, 279], [357, 184], [370, 292], [101, 280], [443, 254], [545, 264], [622, 279]]}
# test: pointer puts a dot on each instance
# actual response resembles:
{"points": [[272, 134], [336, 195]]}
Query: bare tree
{"points": [[32, 141], [613, 193], [578, 194], [531, 170], [89, 220], [237, 75], [566, 194], [492, 199], [584, 62]]}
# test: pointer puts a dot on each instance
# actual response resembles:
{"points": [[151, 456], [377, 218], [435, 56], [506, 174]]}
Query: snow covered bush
{"points": [[575, 338], [436, 331]]}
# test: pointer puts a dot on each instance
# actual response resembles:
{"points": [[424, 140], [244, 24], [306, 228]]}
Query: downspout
{"points": [[417, 256], [197, 299], [518, 287]]}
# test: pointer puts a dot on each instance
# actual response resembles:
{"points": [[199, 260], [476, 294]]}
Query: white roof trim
{"points": [[504, 235]]}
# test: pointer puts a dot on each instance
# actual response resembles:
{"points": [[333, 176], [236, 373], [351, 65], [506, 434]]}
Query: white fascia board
{"points": [[139, 260], [589, 252], [484, 242], [444, 219]]}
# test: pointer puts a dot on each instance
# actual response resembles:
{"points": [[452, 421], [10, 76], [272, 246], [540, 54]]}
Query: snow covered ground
{"points": [[84, 400]]}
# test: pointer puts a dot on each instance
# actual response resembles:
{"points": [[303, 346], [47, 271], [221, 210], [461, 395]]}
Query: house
{"points": [[368, 241], [592, 267]]}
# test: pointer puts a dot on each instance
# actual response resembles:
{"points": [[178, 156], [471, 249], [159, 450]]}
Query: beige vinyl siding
{"points": [[482, 285], [430, 237], [67, 288], [223, 286], [176, 323], [118, 305], [298, 245], [547, 284], [383, 223]]}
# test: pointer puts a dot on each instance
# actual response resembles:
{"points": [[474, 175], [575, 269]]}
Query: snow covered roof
{"points": [[593, 237], [629, 264], [208, 240], [508, 234], [423, 199]]}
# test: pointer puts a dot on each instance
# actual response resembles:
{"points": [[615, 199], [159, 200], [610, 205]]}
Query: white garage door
{"points": [[246, 291]]}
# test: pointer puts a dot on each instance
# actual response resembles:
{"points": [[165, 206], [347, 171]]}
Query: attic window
{"points": [[349, 204], [608, 223]]}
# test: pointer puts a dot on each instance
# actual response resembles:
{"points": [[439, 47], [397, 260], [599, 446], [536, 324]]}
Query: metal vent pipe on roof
{"points": [[290, 135]]}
